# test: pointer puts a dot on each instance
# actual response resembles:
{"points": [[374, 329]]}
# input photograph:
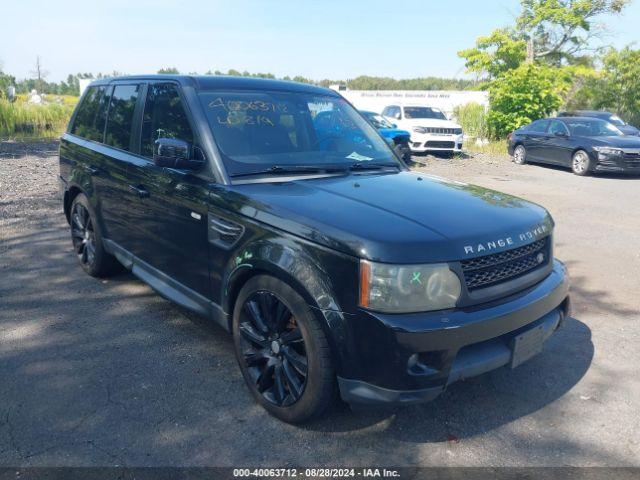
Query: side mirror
{"points": [[394, 125], [174, 153], [561, 134]]}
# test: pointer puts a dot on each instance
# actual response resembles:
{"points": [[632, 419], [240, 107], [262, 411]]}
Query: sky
{"points": [[316, 39]]}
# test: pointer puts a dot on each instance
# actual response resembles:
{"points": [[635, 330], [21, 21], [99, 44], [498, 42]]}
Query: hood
{"points": [[629, 130], [429, 122], [620, 142], [396, 217], [393, 132]]}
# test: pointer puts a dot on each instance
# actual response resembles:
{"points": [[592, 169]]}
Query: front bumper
{"points": [[405, 359], [429, 142], [628, 164]]}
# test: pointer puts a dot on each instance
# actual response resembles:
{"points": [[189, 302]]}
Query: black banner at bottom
{"points": [[303, 473]]}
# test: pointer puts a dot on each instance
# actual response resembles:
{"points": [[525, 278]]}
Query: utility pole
{"points": [[40, 74]]}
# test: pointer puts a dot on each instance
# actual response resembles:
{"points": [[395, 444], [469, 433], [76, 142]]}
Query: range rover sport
{"points": [[335, 268]]}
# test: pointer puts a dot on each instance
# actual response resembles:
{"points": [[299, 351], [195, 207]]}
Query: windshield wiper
{"points": [[289, 169], [371, 166]]}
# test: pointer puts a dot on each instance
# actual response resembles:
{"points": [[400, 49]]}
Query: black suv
{"points": [[334, 267], [612, 118]]}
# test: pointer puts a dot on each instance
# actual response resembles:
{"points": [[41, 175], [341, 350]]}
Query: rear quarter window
{"points": [[539, 126], [90, 119]]}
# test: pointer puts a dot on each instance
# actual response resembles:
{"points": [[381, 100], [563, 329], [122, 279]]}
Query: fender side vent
{"points": [[223, 232]]}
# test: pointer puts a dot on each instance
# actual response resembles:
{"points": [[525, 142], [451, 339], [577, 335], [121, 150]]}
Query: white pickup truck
{"points": [[429, 127]]}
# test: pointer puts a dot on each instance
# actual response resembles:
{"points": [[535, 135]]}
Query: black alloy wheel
{"points": [[83, 235], [283, 351], [273, 349]]}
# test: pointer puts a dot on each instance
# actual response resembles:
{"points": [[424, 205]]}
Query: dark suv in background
{"points": [[612, 118], [334, 267]]}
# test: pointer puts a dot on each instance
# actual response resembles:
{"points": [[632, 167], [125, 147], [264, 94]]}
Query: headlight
{"points": [[408, 288], [608, 151], [420, 129]]}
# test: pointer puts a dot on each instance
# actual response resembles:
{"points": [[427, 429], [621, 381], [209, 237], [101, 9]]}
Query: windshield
{"points": [[423, 112], [592, 128], [257, 131], [378, 121]]}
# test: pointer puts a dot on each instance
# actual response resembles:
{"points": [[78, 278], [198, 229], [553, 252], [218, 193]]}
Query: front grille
{"points": [[442, 131], [435, 144], [632, 163], [492, 269]]}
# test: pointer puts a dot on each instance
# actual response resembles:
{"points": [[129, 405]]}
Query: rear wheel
{"points": [[581, 163], [87, 240], [282, 351], [520, 155]]}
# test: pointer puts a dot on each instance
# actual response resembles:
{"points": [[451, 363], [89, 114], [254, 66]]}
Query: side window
{"points": [[396, 113], [558, 127], [120, 121], [164, 117], [90, 119], [386, 112]]}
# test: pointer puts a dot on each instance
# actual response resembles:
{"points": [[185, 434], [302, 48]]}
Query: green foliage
{"points": [[169, 71], [559, 32], [621, 84], [524, 94], [615, 87], [495, 54], [21, 119], [473, 119]]}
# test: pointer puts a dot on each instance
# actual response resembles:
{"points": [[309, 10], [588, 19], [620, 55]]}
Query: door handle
{"points": [[140, 191]]}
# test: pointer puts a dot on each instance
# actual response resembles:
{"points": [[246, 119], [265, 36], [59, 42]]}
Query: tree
{"points": [[495, 54], [169, 71], [524, 94], [615, 87], [553, 32], [560, 30]]}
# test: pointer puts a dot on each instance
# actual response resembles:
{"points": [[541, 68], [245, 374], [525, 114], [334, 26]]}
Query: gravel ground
{"points": [[108, 373]]}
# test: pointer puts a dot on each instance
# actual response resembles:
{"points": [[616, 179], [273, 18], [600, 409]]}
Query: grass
{"points": [[19, 120], [494, 147]]}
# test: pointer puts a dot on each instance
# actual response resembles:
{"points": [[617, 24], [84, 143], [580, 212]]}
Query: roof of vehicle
{"points": [[587, 113], [573, 119], [224, 82], [419, 105]]}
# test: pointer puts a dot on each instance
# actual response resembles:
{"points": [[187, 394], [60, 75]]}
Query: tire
{"points": [[581, 163], [404, 154], [87, 240], [282, 351], [520, 155]]}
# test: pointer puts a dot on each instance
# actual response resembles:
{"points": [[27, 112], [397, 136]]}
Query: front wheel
{"points": [[520, 155], [404, 153], [581, 163], [282, 351]]}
